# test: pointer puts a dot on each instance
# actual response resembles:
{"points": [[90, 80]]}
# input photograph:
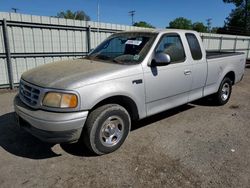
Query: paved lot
{"points": [[196, 145]]}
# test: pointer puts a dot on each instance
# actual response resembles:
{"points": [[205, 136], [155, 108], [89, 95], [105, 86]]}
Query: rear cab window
{"points": [[194, 46]]}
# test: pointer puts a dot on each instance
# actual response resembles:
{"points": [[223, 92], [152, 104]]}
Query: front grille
{"points": [[29, 93]]}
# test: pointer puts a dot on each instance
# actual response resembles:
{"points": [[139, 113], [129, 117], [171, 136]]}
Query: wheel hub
{"points": [[225, 91], [112, 131], [109, 130]]}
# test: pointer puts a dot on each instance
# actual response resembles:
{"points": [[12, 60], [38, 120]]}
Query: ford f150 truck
{"points": [[129, 76]]}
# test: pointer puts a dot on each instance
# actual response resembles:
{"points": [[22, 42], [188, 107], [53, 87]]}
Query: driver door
{"points": [[168, 86]]}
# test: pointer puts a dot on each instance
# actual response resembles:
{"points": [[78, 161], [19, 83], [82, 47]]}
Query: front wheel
{"points": [[106, 128], [224, 92]]}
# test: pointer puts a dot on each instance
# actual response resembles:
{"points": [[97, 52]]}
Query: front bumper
{"points": [[55, 127]]}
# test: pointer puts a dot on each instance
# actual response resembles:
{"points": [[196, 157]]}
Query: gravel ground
{"points": [[195, 145]]}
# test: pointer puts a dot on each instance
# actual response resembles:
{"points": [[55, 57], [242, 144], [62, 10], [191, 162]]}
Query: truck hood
{"points": [[77, 73]]}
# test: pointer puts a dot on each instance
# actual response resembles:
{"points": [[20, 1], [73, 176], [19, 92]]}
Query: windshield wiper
{"points": [[103, 57], [116, 61]]}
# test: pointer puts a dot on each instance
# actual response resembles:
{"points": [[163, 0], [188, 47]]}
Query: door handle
{"points": [[137, 81], [187, 72]]}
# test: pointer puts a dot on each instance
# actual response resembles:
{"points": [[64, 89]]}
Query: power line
{"points": [[132, 13]]}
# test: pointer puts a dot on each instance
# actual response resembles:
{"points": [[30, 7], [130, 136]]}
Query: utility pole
{"points": [[209, 23], [98, 15], [15, 9], [98, 11], [132, 13]]}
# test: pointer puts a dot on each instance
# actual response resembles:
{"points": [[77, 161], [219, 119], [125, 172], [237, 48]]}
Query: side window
{"points": [[194, 46], [171, 44]]}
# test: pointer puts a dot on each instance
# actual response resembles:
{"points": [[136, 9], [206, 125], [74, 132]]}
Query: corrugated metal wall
{"points": [[226, 42], [36, 40], [36, 36]]}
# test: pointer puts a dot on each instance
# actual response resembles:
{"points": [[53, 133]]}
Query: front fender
{"points": [[93, 94]]}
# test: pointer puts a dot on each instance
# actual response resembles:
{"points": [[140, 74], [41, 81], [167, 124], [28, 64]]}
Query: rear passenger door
{"points": [[199, 66]]}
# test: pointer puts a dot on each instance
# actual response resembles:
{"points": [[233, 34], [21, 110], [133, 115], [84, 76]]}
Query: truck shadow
{"points": [[158, 117], [207, 101], [20, 143]]}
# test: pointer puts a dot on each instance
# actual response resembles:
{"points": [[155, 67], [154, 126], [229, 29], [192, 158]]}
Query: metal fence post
{"points": [[235, 44], [89, 38], [202, 38], [248, 49], [220, 45], [8, 54]]}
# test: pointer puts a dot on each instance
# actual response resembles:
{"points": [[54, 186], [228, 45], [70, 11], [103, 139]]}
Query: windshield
{"points": [[124, 48]]}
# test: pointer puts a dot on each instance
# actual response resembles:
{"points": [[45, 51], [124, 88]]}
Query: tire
{"points": [[224, 92], [106, 128]]}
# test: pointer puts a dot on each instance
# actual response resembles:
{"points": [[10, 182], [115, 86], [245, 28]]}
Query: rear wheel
{"points": [[224, 92], [106, 128]]}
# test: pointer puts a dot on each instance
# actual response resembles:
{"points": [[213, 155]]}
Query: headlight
{"points": [[60, 100]]}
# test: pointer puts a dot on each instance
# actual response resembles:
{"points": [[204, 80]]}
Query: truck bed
{"points": [[219, 54]]}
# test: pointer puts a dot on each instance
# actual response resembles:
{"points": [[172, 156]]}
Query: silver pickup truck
{"points": [[129, 76]]}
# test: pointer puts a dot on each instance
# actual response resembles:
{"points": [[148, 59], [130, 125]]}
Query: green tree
{"points": [[77, 15], [214, 29], [180, 23], [143, 24], [199, 27], [238, 22]]}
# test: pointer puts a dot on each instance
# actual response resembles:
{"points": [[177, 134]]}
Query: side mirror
{"points": [[161, 59]]}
